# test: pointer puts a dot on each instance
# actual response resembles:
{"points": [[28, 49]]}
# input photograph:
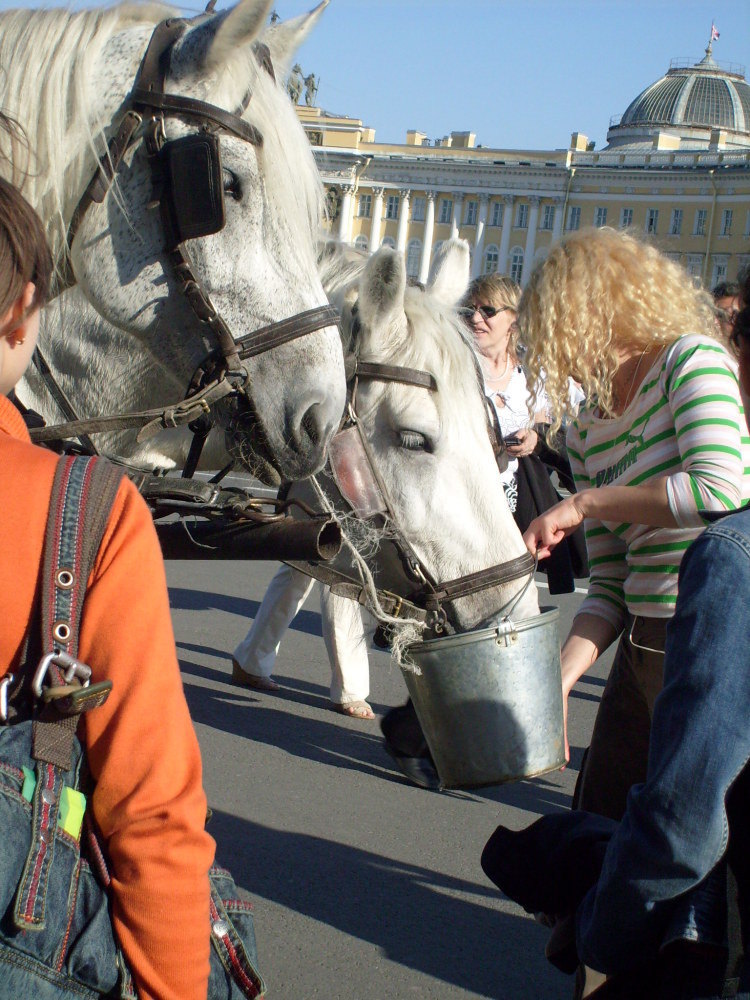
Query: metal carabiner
{"points": [[5, 683], [64, 661]]}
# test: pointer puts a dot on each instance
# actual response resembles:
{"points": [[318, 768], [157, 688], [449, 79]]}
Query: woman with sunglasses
{"points": [[491, 310], [661, 442]]}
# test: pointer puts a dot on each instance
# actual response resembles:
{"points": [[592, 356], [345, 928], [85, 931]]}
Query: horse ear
{"points": [[233, 30], [283, 39], [382, 287], [449, 275]]}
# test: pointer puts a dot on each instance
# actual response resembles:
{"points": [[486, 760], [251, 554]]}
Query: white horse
{"points": [[125, 338], [431, 449]]}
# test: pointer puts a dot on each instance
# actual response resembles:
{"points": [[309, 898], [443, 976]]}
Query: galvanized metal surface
{"points": [[490, 701]]}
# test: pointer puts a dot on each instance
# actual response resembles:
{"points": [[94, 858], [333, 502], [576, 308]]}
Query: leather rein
{"points": [[425, 600], [222, 372]]}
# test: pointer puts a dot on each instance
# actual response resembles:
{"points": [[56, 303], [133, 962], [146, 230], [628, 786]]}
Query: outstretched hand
{"points": [[549, 529]]}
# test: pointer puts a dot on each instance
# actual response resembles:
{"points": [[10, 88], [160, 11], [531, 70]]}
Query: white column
{"points": [[528, 254], [345, 213], [403, 220], [557, 227], [458, 207], [502, 261], [377, 218], [429, 228], [479, 237]]}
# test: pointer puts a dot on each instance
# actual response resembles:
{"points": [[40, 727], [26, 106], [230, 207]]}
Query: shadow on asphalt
{"points": [[409, 912], [182, 599], [267, 719]]}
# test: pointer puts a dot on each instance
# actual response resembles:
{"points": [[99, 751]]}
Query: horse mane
{"points": [[48, 58], [433, 338]]}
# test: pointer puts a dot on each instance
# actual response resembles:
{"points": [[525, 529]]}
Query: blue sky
{"points": [[518, 73]]}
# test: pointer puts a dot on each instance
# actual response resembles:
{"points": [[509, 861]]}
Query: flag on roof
{"points": [[714, 33]]}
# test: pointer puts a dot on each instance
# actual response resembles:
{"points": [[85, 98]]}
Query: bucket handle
{"points": [[507, 611]]}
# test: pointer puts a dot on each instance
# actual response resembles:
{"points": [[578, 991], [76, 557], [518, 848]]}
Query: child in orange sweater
{"points": [[148, 802]]}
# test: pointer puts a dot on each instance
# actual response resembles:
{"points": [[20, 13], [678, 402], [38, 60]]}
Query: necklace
{"points": [[499, 378], [626, 397]]}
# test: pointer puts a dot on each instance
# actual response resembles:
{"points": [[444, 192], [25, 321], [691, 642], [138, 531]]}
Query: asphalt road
{"points": [[364, 885]]}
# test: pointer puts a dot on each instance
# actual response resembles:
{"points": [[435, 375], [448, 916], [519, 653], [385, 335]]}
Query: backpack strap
{"points": [[83, 491]]}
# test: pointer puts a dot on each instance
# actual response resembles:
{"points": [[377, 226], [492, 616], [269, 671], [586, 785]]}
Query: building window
{"points": [[471, 213], [391, 206], [496, 219], [436, 248], [361, 243], [516, 264], [600, 217], [413, 258], [388, 241], [446, 210], [548, 217], [365, 206], [490, 259], [726, 222], [652, 220], [626, 218], [574, 217], [699, 229], [675, 222], [719, 270], [417, 209], [522, 217], [694, 264]]}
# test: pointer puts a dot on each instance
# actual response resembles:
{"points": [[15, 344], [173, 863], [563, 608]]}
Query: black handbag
{"points": [[56, 935]]}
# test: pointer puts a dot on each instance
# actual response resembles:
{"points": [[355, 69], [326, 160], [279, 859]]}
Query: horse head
{"points": [[256, 267], [429, 445]]}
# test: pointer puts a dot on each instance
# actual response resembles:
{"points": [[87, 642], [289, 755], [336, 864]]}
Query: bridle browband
{"points": [[222, 373], [425, 600]]}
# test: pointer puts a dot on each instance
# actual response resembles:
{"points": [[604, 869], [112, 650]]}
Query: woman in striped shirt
{"points": [[661, 441]]}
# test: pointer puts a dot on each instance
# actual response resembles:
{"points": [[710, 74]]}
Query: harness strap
{"points": [[344, 586], [275, 334], [151, 421], [493, 576], [40, 363], [188, 107], [389, 373]]}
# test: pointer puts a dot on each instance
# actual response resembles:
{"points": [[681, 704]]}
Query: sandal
{"points": [[256, 681], [354, 709]]}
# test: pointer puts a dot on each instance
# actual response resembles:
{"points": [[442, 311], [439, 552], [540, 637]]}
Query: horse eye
{"points": [[232, 185], [412, 440]]}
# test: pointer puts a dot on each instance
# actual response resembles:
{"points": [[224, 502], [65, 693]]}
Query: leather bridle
{"points": [[425, 596], [222, 372]]}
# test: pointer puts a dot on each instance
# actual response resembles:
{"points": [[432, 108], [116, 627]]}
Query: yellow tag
{"points": [[72, 808]]}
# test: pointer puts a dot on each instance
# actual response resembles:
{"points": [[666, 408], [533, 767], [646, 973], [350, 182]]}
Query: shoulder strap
{"points": [[83, 492]]}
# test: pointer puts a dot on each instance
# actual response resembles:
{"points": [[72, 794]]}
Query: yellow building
{"points": [[676, 167]]}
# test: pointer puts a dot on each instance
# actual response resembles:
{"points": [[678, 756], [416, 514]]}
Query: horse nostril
{"points": [[311, 424]]}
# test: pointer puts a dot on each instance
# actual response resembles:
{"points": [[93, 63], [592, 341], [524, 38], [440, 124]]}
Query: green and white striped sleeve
{"points": [[703, 394]]}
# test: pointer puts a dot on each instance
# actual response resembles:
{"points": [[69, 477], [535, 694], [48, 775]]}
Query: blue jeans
{"points": [[676, 827]]}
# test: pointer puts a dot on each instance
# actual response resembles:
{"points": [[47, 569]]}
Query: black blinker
{"points": [[193, 187]]}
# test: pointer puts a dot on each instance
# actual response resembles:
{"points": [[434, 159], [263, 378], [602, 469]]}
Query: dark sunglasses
{"points": [[486, 311]]}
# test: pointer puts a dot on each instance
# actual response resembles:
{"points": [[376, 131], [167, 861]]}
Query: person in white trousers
{"points": [[254, 658]]}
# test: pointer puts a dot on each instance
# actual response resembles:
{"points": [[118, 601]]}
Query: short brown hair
{"points": [[24, 252]]}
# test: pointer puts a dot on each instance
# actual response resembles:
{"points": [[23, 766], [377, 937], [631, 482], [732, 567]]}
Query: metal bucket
{"points": [[490, 701]]}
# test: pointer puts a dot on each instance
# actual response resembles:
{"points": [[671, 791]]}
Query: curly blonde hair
{"points": [[498, 290], [599, 291]]}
